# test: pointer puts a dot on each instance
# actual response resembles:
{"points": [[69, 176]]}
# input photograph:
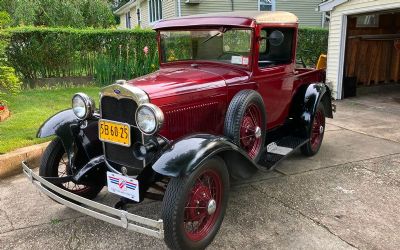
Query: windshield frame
{"points": [[198, 61]]}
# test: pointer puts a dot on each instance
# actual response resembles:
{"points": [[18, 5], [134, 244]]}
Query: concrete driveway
{"points": [[345, 197]]}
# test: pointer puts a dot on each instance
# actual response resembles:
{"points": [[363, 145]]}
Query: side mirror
{"points": [[276, 38]]}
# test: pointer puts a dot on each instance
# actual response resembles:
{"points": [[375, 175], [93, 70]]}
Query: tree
{"points": [[56, 13]]}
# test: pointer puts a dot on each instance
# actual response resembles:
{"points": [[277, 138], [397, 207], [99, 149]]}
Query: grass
{"points": [[30, 109]]}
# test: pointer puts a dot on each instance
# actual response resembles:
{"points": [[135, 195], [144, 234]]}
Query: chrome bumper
{"points": [[97, 210]]}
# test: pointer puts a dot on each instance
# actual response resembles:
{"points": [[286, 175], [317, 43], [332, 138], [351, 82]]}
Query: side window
{"points": [[155, 10], [128, 20], [276, 45]]}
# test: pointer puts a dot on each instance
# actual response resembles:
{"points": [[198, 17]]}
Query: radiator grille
{"points": [[122, 110]]}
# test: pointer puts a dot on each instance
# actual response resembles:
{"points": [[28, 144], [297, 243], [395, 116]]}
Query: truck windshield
{"points": [[223, 45]]}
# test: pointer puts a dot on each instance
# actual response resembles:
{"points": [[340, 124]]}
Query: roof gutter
{"points": [[179, 8], [125, 8], [330, 5]]}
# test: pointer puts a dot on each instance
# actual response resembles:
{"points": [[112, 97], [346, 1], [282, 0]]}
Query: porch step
{"points": [[279, 150]]}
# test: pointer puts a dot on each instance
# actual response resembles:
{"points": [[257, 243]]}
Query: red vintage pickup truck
{"points": [[228, 101]]}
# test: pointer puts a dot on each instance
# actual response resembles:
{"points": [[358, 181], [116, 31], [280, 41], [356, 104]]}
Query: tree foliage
{"points": [[56, 13]]}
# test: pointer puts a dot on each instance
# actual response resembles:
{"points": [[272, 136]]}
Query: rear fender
{"points": [[80, 139], [306, 101], [187, 154]]}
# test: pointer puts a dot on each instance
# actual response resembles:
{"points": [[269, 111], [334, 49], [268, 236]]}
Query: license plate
{"points": [[115, 132], [123, 186]]}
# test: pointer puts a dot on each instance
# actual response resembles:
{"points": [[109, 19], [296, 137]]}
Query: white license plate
{"points": [[123, 186]]}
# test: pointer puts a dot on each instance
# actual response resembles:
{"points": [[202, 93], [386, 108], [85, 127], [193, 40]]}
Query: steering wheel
{"points": [[228, 53]]}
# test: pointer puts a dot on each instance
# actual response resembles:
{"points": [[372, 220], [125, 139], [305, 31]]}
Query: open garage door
{"points": [[372, 56]]}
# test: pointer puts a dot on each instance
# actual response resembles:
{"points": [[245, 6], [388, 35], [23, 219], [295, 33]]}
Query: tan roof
{"points": [[258, 16]]}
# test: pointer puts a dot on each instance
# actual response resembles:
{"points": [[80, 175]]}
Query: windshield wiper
{"points": [[220, 32]]}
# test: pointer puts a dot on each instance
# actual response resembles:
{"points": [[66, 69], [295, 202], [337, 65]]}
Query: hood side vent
{"points": [[200, 118]]}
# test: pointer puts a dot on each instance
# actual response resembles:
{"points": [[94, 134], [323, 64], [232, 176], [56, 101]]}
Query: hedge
{"points": [[38, 52], [311, 43]]}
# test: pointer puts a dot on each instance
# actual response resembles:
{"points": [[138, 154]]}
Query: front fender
{"points": [[187, 154], [68, 128]]}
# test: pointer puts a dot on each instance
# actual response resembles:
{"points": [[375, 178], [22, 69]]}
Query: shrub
{"points": [[5, 19], [108, 55], [9, 82], [311, 43], [65, 52]]}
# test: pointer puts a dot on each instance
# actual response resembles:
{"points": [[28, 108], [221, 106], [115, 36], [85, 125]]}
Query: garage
{"points": [[364, 46]]}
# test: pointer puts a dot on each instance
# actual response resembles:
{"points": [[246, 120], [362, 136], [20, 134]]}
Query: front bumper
{"points": [[97, 210]]}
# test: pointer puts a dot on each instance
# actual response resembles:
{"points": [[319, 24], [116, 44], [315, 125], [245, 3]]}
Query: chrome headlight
{"points": [[149, 118], [82, 105]]}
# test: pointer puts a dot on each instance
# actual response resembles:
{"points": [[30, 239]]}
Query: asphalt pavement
{"points": [[345, 197]]}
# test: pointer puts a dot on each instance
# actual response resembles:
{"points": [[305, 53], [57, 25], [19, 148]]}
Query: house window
{"points": [[266, 5], [128, 20], [155, 10], [368, 21]]}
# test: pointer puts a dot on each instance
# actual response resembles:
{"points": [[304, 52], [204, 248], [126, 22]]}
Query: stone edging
{"points": [[10, 163]]}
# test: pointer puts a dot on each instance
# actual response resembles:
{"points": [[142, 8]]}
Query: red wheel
{"points": [[250, 131], [245, 122], [316, 133], [203, 205], [54, 163], [194, 206]]}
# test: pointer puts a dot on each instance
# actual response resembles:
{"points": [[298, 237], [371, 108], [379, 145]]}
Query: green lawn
{"points": [[30, 109]]}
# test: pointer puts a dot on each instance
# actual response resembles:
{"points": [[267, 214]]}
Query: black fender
{"points": [[183, 156], [80, 138], [306, 101]]}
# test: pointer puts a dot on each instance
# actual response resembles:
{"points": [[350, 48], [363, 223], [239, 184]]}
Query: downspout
{"points": [[179, 8], [232, 5]]}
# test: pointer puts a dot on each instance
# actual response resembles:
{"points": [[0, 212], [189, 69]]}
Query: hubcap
{"points": [[318, 128], [251, 132], [203, 205], [257, 132], [212, 206]]}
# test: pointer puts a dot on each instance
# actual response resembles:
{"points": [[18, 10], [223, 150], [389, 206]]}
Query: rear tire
{"points": [[194, 206], [316, 133], [55, 164]]}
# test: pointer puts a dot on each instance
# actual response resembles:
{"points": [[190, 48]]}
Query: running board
{"points": [[279, 150]]}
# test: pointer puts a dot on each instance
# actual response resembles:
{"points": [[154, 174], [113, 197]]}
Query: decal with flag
{"points": [[123, 186]]}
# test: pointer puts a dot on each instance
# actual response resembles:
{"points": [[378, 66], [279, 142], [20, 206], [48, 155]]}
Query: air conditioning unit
{"points": [[192, 1]]}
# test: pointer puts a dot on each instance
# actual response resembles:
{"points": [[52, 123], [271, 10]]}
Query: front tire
{"points": [[194, 206], [54, 163]]}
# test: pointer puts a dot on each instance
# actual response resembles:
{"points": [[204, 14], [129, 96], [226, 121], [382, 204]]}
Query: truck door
{"points": [[275, 74]]}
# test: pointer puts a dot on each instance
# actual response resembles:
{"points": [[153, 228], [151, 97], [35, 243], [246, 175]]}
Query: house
{"points": [[364, 45], [145, 13]]}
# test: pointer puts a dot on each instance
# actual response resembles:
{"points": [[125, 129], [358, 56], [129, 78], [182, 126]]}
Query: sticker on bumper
{"points": [[123, 186]]}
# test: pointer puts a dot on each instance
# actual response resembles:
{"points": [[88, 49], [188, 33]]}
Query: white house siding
{"points": [[338, 14], [169, 8], [122, 23], [144, 14], [304, 10], [205, 6]]}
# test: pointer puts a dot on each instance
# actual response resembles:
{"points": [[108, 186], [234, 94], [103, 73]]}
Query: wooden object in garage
{"points": [[372, 56]]}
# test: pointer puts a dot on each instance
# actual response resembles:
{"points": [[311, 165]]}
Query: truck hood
{"points": [[173, 81]]}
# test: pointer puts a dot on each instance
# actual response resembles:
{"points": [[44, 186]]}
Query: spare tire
{"points": [[245, 122]]}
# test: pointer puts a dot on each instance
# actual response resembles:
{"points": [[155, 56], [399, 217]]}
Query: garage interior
{"points": [[372, 55]]}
